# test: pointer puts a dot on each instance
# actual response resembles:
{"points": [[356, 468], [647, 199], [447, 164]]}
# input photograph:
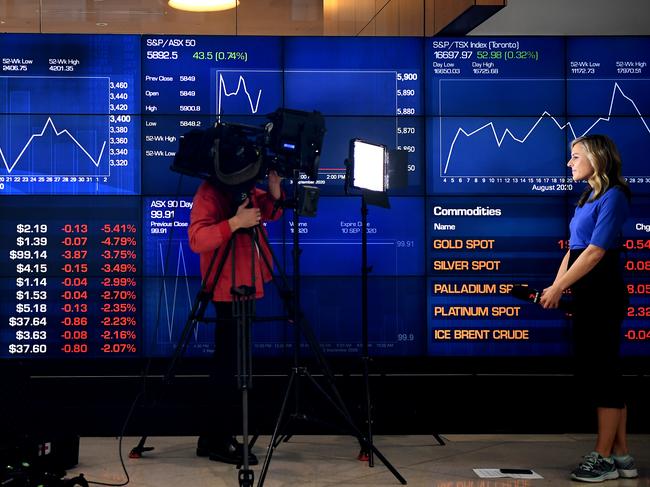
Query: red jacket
{"points": [[209, 230]]}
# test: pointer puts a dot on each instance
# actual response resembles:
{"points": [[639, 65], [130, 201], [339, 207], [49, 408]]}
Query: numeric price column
{"points": [[27, 318], [74, 288]]}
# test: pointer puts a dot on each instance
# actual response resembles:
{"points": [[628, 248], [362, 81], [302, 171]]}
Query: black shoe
{"points": [[205, 444], [227, 450]]}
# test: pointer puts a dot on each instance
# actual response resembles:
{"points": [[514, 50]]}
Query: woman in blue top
{"points": [[591, 269]]}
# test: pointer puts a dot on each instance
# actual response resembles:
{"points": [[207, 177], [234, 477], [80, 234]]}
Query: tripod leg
{"points": [[139, 449], [244, 309], [196, 314], [272, 442]]}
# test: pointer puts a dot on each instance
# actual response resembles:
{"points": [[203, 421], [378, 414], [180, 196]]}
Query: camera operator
{"points": [[221, 212]]}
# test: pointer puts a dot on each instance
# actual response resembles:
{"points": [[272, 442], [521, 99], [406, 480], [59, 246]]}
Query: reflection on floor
{"points": [[314, 461]]}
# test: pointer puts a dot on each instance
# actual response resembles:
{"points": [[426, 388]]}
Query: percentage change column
{"points": [[118, 293]]}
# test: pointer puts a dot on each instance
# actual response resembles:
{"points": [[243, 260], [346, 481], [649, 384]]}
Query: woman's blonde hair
{"points": [[606, 161]]}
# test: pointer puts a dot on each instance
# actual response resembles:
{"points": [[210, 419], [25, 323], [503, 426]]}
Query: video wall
{"points": [[94, 256]]}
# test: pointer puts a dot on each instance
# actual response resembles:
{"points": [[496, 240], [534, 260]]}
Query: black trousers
{"points": [[224, 417]]}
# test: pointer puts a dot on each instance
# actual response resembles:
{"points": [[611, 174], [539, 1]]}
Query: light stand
{"points": [[295, 315], [367, 170], [365, 358], [304, 329], [370, 168]]}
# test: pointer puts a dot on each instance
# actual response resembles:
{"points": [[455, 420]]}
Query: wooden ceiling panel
{"points": [[280, 17], [251, 17], [131, 16], [19, 16]]}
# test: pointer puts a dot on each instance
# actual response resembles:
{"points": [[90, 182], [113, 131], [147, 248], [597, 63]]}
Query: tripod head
{"points": [[304, 202]]}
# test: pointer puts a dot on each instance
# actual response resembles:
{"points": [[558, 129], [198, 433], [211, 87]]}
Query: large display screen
{"points": [[95, 256], [69, 114], [502, 111]]}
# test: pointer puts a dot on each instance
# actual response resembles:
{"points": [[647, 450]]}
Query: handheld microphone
{"points": [[532, 295], [526, 293]]}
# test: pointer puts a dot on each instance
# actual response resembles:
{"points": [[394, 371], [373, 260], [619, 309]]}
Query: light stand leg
{"points": [[364, 327], [364, 441], [276, 431]]}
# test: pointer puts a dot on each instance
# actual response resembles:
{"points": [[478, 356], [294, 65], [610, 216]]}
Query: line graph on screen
{"points": [[55, 126], [170, 297], [247, 92], [530, 147], [67, 137], [331, 92]]}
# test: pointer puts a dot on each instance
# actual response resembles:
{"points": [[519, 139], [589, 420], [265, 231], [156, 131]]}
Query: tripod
{"points": [[303, 328], [333, 396], [243, 312]]}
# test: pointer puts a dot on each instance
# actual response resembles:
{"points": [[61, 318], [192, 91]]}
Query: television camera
{"points": [[236, 153]]}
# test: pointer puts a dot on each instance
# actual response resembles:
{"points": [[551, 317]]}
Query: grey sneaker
{"points": [[625, 466], [595, 468]]}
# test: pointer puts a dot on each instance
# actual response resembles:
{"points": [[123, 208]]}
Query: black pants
{"points": [[600, 300], [224, 416]]}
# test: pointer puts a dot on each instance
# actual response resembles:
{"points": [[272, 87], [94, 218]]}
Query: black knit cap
{"points": [[236, 160]]}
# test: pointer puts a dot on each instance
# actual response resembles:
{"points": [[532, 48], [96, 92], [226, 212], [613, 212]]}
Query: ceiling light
{"points": [[203, 5]]}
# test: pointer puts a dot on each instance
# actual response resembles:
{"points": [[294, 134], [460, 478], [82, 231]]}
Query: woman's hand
{"points": [[551, 297]]}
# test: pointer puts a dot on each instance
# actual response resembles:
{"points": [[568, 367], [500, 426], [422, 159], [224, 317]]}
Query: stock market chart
{"points": [[69, 114], [504, 110], [331, 297], [70, 284], [367, 88], [95, 259], [608, 88]]}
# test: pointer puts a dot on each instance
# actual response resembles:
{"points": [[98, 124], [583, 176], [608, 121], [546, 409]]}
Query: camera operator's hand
{"points": [[245, 217], [274, 184]]}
